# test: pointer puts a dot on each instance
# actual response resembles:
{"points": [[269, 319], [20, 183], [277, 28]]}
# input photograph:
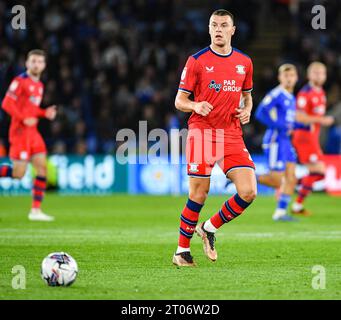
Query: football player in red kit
{"points": [[220, 79], [310, 116], [22, 103]]}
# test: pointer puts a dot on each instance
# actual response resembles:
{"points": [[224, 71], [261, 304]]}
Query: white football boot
{"points": [[38, 215]]}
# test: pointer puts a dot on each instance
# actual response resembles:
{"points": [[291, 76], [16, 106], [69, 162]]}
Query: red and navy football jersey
{"points": [[311, 101], [219, 80], [22, 100]]}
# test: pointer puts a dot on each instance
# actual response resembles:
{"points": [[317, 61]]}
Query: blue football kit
{"points": [[277, 112]]}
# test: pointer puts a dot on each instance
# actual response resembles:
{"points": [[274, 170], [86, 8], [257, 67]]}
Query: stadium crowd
{"points": [[302, 45], [113, 63]]}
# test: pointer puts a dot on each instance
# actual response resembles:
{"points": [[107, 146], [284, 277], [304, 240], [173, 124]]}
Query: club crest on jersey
{"points": [[240, 69], [35, 100], [193, 167], [215, 86], [319, 109]]}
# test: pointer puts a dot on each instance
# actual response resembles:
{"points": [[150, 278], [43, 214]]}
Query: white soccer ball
{"points": [[59, 269]]}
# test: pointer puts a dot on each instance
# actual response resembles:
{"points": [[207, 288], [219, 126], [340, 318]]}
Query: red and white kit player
{"points": [[22, 103], [310, 116], [220, 79]]}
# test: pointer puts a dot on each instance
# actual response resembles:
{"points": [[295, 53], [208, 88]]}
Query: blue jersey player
{"points": [[277, 112]]}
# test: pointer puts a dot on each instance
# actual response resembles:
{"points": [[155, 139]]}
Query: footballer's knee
{"points": [[318, 168], [18, 172], [322, 170], [199, 195], [248, 193], [41, 170]]}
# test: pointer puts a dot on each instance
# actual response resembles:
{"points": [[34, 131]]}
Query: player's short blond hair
{"points": [[36, 52], [315, 64], [286, 67]]}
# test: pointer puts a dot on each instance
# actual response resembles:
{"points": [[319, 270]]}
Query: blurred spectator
{"points": [[3, 152], [113, 63]]}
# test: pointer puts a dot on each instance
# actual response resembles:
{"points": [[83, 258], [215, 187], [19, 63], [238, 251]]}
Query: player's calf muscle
{"points": [[271, 180], [290, 180]]}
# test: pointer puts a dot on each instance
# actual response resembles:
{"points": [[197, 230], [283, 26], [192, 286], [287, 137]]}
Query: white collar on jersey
{"points": [[286, 92], [220, 54]]}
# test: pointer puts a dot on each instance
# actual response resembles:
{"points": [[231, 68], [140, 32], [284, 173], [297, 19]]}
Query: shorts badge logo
{"points": [[35, 100], [23, 155], [240, 69], [193, 167], [313, 158]]}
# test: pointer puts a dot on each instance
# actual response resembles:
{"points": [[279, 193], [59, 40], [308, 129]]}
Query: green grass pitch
{"points": [[124, 246]]}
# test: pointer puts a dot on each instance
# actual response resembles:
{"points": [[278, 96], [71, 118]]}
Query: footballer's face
{"points": [[36, 64], [288, 79], [317, 75], [221, 29]]}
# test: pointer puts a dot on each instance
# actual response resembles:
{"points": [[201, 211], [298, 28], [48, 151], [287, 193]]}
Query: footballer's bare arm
{"points": [[244, 113], [301, 116], [184, 104]]}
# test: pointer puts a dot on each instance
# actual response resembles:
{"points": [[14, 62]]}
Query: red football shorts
{"points": [[23, 146], [307, 147], [203, 151]]}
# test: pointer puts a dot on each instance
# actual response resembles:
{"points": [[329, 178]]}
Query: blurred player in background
{"points": [[277, 112], [22, 103], [310, 115], [218, 77]]}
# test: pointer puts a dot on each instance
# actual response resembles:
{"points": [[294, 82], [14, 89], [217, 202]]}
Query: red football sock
{"points": [[231, 209], [38, 190], [307, 186], [189, 220], [5, 171]]}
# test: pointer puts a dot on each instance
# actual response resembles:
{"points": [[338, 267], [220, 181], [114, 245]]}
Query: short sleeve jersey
{"points": [[219, 80], [311, 101]]}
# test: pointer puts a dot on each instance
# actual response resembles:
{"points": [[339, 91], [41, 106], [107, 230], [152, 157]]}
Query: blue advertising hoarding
{"points": [[91, 174], [166, 178], [102, 174]]}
